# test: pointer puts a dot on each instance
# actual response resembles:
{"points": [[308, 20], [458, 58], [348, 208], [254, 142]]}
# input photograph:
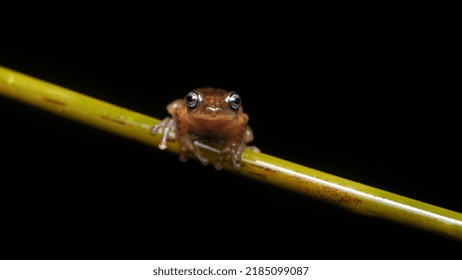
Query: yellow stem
{"points": [[354, 196]]}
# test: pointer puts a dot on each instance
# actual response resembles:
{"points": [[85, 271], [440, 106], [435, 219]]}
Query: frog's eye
{"points": [[234, 100], [192, 99]]}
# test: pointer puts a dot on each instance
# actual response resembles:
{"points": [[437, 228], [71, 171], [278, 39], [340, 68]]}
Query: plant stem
{"points": [[354, 196]]}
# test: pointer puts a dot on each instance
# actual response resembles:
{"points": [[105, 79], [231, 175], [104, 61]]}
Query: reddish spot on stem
{"points": [[113, 120], [341, 197], [56, 102], [256, 174]]}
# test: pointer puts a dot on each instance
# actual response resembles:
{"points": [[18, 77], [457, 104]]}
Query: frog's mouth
{"points": [[215, 116], [213, 109], [215, 113]]}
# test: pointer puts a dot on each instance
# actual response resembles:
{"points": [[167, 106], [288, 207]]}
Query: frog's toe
{"points": [[236, 165], [218, 165], [203, 160], [157, 129], [183, 157], [254, 149]]}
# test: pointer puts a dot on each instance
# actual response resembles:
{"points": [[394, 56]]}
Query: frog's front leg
{"points": [[186, 141], [167, 127], [234, 150], [234, 147], [187, 145]]}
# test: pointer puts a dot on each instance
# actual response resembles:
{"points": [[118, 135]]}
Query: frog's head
{"points": [[213, 104]]}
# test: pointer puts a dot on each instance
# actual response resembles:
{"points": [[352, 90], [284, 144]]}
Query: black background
{"points": [[366, 92]]}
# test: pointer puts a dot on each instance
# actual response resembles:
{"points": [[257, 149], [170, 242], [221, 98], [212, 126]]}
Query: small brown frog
{"points": [[207, 113]]}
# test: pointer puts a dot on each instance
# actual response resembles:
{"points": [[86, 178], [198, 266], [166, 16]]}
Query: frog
{"points": [[212, 114]]}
